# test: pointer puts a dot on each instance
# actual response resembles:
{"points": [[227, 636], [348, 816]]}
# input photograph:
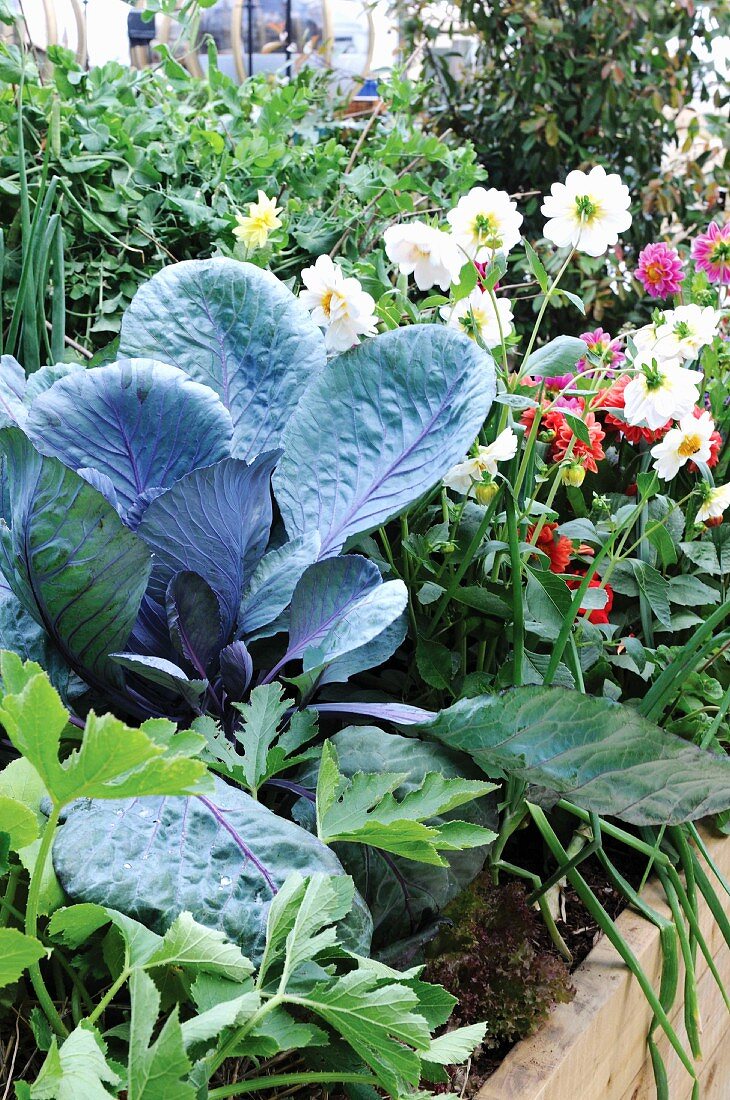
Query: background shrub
{"points": [[563, 84]]}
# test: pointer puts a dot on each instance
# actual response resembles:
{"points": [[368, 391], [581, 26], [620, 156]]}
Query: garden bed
{"points": [[575, 1053]]}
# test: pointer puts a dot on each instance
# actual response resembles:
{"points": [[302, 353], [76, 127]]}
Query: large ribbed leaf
{"points": [[235, 328], [139, 422], [600, 755], [221, 858], [20, 633], [378, 428], [214, 522], [339, 605], [12, 390], [70, 560]]}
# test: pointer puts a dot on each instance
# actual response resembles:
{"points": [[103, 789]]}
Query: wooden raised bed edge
{"points": [[595, 1047]]}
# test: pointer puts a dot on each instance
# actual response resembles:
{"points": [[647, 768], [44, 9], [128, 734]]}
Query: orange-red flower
{"points": [[596, 616], [613, 398], [587, 454], [558, 548], [551, 421]]}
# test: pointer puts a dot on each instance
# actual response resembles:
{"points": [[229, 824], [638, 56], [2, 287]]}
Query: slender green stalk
{"points": [[6, 902], [653, 703], [464, 565], [546, 302], [518, 609], [58, 306], [603, 920], [31, 922], [521, 872], [110, 993], [283, 1080]]}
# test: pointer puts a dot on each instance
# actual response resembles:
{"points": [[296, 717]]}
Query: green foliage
{"points": [[153, 166], [189, 998], [363, 810], [559, 85]]}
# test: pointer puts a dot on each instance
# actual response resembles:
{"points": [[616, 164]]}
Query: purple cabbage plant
{"points": [[141, 546]]}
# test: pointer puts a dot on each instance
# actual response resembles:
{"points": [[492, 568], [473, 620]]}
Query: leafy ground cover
{"points": [[329, 605]]}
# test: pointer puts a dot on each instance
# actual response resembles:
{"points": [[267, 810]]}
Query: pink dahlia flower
{"points": [[600, 344], [660, 270], [711, 252]]}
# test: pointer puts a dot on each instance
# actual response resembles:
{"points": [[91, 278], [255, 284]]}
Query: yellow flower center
{"points": [[485, 230], [689, 446]]}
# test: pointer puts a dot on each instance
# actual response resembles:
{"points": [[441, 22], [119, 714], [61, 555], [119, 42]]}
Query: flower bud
{"points": [[573, 474], [485, 492]]}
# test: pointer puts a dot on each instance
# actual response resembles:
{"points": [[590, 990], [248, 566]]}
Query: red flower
{"points": [[551, 421], [558, 548], [594, 616], [613, 398], [582, 452], [715, 445]]}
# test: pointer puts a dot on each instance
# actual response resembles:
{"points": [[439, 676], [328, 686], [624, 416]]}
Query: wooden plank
{"points": [[595, 1047]]}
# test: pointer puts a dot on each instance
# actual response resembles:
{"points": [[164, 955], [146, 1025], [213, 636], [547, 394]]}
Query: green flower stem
{"points": [[568, 621], [521, 872], [465, 563], [603, 920], [282, 1080], [518, 609], [552, 493], [546, 302], [228, 1048], [31, 922]]}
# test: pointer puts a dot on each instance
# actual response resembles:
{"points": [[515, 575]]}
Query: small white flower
{"points": [[339, 305], [476, 316], [715, 502], [661, 391], [645, 338], [466, 476], [689, 440], [686, 330], [588, 211], [484, 222], [430, 255]]}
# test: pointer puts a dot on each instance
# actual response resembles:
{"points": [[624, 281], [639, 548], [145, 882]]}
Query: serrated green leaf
{"points": [[362, 810], [436, 664], [300, 919], [78, 1068], [209, 1024], [156, 1071], [74, 924], [113, 761], [189, 944], [455, 1046], [17, 953], [380, 1021], [18, 822]]}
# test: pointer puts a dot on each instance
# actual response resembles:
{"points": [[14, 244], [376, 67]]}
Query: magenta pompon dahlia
{"points": [[711, 252], [660, 270]]}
